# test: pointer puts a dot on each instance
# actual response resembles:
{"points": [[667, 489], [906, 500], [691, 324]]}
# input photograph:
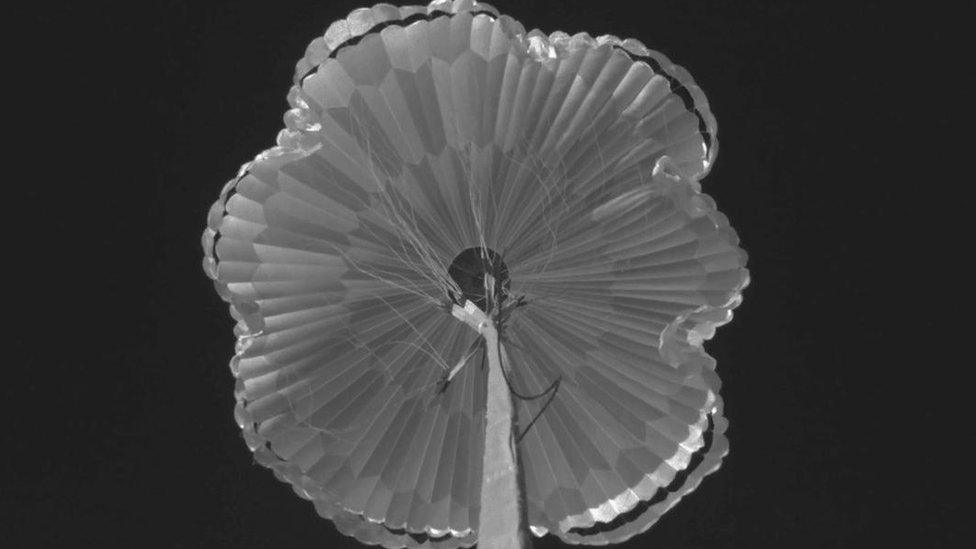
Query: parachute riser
{"points": [[501, 522]]}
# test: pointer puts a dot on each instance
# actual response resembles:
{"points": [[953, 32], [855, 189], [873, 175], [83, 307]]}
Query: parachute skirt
{"points": [[419, 132]]}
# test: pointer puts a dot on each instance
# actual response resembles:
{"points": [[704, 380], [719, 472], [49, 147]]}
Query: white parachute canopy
{"points": [[427, 148]]}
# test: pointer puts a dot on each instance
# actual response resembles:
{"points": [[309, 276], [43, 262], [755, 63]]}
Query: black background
{"points": [[133, 116]]}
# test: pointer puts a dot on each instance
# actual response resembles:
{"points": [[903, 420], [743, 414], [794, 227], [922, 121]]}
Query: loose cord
{"points": [[551, 391]]}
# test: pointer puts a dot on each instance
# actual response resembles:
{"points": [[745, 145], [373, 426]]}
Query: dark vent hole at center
{"points": [[468, 270]]}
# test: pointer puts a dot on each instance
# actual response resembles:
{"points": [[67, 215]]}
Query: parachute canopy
{"points": [[429, 150]]}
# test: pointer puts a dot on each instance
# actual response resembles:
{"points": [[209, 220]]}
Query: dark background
{"points": [[832, 128]]}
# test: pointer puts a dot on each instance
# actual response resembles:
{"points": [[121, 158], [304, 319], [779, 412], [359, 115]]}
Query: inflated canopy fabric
{"points": [[419, 132]]}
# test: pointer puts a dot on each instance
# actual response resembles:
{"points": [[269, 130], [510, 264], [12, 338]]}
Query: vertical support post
{"points": [[500, 524]]}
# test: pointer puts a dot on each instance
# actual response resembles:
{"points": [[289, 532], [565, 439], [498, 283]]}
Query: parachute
{"points": [[441, 157]]}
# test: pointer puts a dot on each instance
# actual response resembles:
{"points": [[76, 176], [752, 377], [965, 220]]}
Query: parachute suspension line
{"points": [[519, 395], [500, 318], [550, 390]]}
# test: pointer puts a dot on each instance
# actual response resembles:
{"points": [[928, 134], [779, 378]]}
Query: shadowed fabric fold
{"points": [[419, 132]]}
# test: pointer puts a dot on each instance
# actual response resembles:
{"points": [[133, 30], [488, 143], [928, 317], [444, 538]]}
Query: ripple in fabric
{"points": [[419, 132]]}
